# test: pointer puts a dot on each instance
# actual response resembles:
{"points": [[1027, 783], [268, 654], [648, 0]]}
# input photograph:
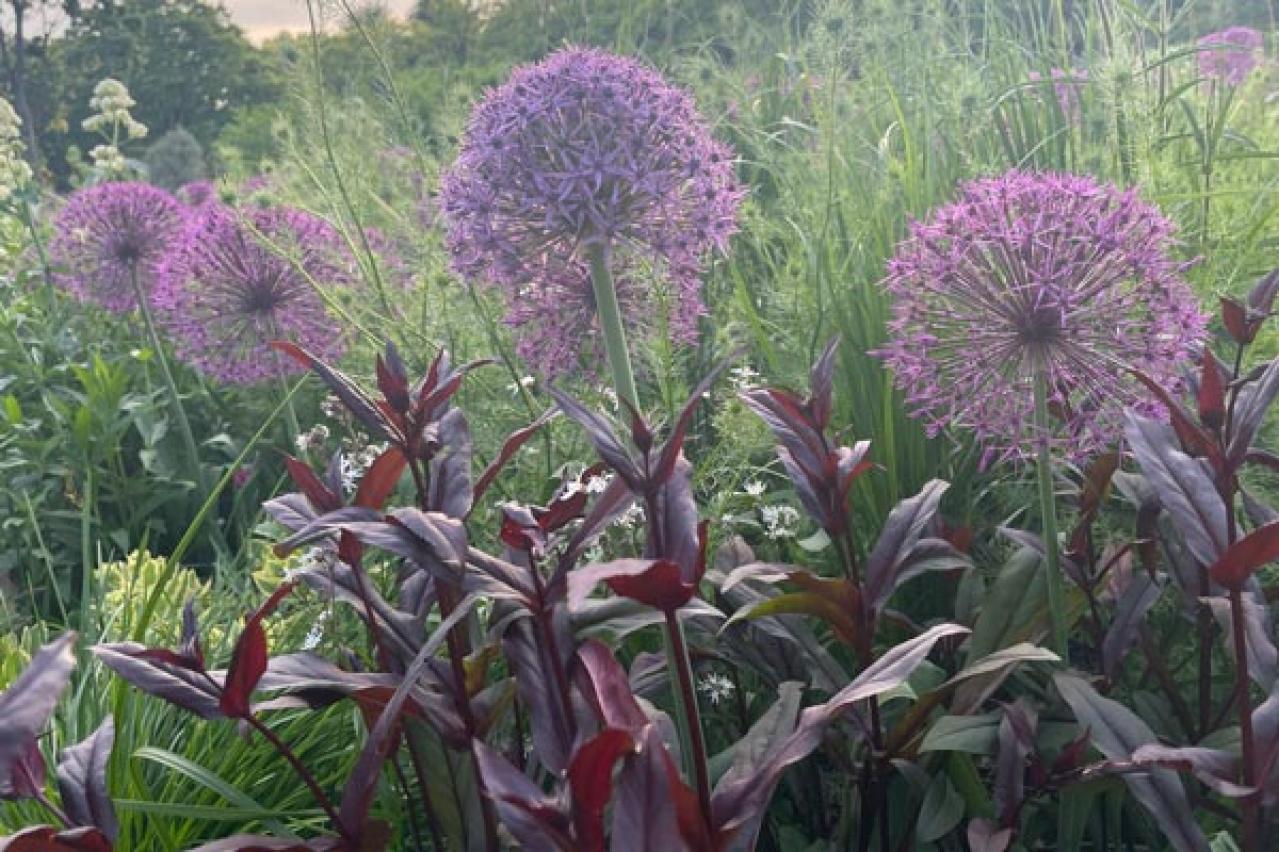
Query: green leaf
{"points": [[968, 734], [208, 780], [941, 811]]}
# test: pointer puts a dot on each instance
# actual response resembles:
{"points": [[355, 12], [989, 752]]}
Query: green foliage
{"points": [[175, 158]]}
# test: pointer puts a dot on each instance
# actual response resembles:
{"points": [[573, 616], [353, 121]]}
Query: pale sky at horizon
{"points": [[262, 19]]}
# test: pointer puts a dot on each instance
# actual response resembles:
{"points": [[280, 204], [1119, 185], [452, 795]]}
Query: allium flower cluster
{"points": [[15, 174], [1067, 89], [588, 151], [241, 279], [110, 236], [1030, 274], [198, 193], [1230, 55]]}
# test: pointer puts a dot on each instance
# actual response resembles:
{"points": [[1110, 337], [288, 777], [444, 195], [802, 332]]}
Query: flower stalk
{"points": [[609, 313], [1048, 519]]}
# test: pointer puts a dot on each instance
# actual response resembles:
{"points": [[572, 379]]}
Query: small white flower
{"points": [[779, 521], [597, 484], [754, 488], [631, 518], [523, 383], [313, 439], [742, 377], [716, 687]]}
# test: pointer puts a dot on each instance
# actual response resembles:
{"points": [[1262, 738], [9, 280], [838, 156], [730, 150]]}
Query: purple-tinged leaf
{"points": [[1138, 597], [401, 630], [1234, 316], [616, 499], [362, 782], [249, 658], [741, 795], [1263, 657], [985, 836], [82, 781], [44, 838], [608, 689], [673, 449], [450, 489], [1196, 440], [26, 779], [901, 532], [821, 384], [1214, 767], [1261, 298], [794, 429], [393, 380], [603, 438], [380, 479], [1117, 732], [1211, 396], [1253, 402], [1245, 556], [152, 673], [1016, 742], [326, 527], [583, 580], [512, 445], [590, 779], [25, 707], [675, 516], [536, 685], [537, 821], [1183, 486], [643, 816], [767, 573], [356, 400]]}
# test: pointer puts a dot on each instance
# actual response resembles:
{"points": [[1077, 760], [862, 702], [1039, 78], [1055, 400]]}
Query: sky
{"points": [[262, 19]]}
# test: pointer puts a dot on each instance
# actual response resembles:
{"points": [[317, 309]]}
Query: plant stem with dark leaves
{"points": [[1250, 827], [692, 717]]}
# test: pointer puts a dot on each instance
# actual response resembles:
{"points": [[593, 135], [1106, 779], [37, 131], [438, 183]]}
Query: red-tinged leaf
{"points": [[642, 812], [190, 690], [536, 820], [602, 437], [82, 781], [1195, 440], [1211, 398], [821, 384], [661, 586], [249, 659], [586, 578], [393, 384], [25, 707], [323, 499], [1071, 757], [1234, 317], [380, 479], [794, 429], [674, 445], [1096, 484], [45, 838], [1016, 742], [1246, 555], [898, 538], [590, 778], [608, 689], [1261, 298], [356, 400], [688, 810], [1215, 768], [512, 445], [26, 779]]}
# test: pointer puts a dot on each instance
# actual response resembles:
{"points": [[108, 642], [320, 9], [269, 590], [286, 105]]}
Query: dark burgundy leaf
{"points": [[609, 690], [1261, 298], [1196, 441], [674, 446], [603, 438], [1016, 742], [26, 778], [265, 843], [535, 682], [821, 384], [660, 586], [1117, 732], [451, 467], [1253, 402], [1216, 768], [249, 658], [675, 516], [616, 499], [1183, 486], [180, 686], [590, 778], [1234, 317], [1211, 398], [1263, 657], [25, 707], [392, 380], [643, 816], [538, 822], [362, 782], [320, 495], [1138, 597], [45, 838], [794, 430], [82, 780], [380, 479], [1246, 555], [899, 536], [356, 400], [510, 447]]}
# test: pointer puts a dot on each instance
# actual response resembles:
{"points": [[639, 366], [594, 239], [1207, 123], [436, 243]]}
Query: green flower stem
{"points": [[1048, 516], [179, 411], [610, 315]]}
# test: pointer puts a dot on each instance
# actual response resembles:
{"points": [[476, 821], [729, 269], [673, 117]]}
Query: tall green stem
{"points": [[1048, 517], [610, 315], [179, 411]]}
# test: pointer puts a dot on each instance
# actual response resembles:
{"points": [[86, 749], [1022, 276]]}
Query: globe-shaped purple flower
{"points": [[109, 240], [240, 279], [588, 151], [1029, 275], [1229, 55], [198, 193]]}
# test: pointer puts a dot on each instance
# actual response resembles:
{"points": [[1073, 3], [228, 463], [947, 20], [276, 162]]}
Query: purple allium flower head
{"points": [[240, 279], [197, 193], [1029, 272], [105, 234], [1229, 55], [588, 148]]}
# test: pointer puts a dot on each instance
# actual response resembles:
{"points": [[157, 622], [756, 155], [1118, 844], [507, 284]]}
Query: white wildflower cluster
{"points": [[779, 521], [354, 465], [313, 636], [112, 121], [594, 485], [631, 518], [14, 171], [525, 383], [312, 439], [316, 559], [754, 489], [743, 377], [716, 687], [331, 407]]}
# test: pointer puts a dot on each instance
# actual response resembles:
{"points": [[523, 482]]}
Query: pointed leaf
{"points": [[82, 781], [25, 707], [1246, 555]]}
